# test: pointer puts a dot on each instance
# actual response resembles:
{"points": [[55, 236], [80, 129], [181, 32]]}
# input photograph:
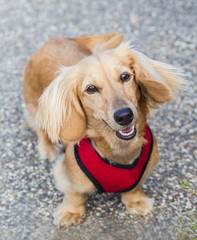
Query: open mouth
{"points": [[127, 133]]}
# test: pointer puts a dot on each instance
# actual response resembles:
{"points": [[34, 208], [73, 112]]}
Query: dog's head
{"points": [[107, 94]]}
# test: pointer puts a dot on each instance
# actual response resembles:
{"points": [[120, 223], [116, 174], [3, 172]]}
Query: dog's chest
{"points": [[109, 177]]}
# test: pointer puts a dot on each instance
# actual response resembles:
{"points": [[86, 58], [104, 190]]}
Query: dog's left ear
{"points": [[158, 81]]}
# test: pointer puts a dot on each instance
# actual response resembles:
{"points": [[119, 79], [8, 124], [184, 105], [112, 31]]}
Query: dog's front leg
{"points": [[46, 148], [137, 202], [70, 210]]}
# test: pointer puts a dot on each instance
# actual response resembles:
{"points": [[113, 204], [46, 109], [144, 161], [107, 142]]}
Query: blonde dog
{"points": [[93, 94]]}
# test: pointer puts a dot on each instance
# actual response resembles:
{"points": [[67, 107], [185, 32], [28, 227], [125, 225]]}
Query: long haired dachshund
{"points": [[93, 94]]}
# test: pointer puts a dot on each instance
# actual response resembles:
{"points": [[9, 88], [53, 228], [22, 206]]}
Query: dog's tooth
{"points": [[129, 133]]}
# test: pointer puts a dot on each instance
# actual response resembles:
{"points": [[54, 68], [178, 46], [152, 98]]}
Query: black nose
{"points": [[123, 116]]}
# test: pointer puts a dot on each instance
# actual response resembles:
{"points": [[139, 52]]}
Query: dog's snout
{"points": [[123, 116]]}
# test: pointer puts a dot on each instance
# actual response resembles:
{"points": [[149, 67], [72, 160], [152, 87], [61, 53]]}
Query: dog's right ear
{"points": [[60, 112]]}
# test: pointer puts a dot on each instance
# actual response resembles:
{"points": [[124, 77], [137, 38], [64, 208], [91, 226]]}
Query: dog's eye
{"points": [[125, 77], [91, 89]]}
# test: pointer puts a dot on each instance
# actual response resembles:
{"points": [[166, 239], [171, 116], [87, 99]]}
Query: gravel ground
{"points": [[164, 30]]}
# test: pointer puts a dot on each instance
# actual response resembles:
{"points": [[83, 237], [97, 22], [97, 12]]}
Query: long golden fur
{"points": [[61, 108]]}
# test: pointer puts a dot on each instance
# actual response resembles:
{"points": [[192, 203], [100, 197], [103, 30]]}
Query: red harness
{"points": [[112, 177]]}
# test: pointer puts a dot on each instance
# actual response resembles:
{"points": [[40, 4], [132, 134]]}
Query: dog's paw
{"points": [[65, 218], [142, 207]]}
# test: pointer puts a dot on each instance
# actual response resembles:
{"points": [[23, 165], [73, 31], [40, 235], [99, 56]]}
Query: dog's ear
{"points": [[60, 112], [158, 81]]}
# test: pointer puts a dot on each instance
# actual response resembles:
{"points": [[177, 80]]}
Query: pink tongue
{"points": [[127, 130]]}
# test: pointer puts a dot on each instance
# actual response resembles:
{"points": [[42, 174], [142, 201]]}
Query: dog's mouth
{"points": [[127, 133]]}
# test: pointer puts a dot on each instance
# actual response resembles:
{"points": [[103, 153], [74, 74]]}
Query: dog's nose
{"points": [[123, 116]]}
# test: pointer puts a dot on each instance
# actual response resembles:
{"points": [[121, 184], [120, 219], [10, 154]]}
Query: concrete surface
{"points": [[165, 31]]}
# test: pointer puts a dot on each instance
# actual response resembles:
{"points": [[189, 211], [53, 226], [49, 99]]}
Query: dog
{"points": [[94, 94]]}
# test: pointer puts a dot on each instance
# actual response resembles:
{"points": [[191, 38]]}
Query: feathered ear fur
{"points": [[59, 112], [158, 81]]}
